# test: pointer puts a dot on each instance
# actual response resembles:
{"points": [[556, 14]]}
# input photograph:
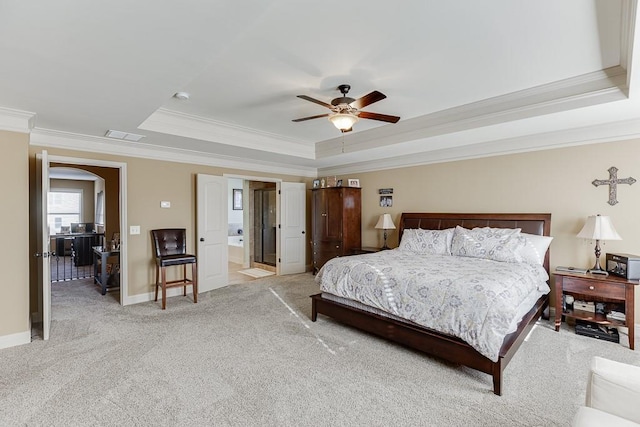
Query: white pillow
{"points": [[535, 248], [427, 242], [498, 244]]}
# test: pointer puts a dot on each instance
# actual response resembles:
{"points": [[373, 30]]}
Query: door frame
{"points": [[122, 195]]}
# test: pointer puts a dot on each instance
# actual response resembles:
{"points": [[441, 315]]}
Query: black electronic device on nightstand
{"points": [[623, 265]]}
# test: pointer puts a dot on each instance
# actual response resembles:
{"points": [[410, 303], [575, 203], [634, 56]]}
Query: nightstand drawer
{"points": [[594, 288]]}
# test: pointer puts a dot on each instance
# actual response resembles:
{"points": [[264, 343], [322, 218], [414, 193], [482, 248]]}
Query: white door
{"points": [[212, 231], [293, 237], [43, 246]]}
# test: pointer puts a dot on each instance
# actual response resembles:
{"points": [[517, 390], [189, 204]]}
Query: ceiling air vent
{"points": [[116, 134]]}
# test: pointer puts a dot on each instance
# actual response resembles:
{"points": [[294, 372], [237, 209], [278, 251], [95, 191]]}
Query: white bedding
{"points": [[475, 299]]}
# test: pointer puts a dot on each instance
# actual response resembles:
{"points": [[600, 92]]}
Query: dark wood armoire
{"points": [[336, 223]]}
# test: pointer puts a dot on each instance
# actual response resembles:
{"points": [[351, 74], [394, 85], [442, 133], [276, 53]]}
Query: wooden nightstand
{"points": [[365, 250], [596, 288]]}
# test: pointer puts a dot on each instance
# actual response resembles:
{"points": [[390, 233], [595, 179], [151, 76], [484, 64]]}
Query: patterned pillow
{"points": [[498, 244], [427, 242]]}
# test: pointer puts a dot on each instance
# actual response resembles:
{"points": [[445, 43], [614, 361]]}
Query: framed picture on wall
{"points": [[354, 182], [237, 199]]}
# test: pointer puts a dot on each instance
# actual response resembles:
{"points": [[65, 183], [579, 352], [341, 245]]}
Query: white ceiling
{"points": [[467, 78]]}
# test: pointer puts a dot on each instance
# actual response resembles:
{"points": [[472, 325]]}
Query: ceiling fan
{"points": [[345, 111]]}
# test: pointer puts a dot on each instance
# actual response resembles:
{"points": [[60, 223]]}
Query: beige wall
{"points": [[149, 183], [553, 181], [14, 254], [556, 181]]}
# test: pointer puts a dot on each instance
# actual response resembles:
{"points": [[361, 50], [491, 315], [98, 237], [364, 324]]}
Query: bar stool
{"points": [[170, 246]]}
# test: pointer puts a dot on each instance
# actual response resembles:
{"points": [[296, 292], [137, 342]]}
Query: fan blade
{"points": [[369, 99], [380, 117], [311, 117], [308, 98]]}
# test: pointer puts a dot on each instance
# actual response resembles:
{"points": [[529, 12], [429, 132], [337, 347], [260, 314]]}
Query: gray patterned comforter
{"points": [[474, 299]]}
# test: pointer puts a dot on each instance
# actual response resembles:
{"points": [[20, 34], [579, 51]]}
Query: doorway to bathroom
{"points": [[266, 228], [253, 222]]}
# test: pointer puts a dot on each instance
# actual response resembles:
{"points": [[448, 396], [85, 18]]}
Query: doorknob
{"points": [[202, 239], [302, 231], [43, 255]]}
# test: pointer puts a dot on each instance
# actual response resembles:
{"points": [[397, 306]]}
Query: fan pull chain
{"points": [[342, 142]]}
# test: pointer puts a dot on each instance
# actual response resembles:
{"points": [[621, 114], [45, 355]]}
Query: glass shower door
{"points": [[265, 223]]}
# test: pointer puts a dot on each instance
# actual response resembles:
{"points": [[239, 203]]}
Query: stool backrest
{"points": [[169, 241]]}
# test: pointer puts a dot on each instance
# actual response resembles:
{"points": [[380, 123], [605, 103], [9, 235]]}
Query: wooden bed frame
{"points": [[427, 340]]}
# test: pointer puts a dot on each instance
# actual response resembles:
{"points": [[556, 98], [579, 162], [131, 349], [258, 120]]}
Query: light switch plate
{"points": [[134, 229], [164, 204]]}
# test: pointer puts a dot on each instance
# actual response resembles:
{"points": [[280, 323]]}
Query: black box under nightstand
{"points": [[600, 332]]}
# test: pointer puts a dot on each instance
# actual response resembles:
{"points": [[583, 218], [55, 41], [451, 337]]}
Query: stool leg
{"points": [[184, 278], [157, 280], [164, 287], [194, 281]]}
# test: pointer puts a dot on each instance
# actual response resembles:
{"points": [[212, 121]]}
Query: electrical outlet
{"points": [[134, 229]]}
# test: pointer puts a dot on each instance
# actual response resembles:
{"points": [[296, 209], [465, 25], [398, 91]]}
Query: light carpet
{"points": [[249, 355], [256, 272]]}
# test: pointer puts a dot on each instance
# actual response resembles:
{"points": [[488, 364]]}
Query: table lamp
{"points": [[598, 228], [385, 223]]}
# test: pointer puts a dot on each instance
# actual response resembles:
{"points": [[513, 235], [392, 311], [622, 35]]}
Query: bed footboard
{"points": [[429, 341]]}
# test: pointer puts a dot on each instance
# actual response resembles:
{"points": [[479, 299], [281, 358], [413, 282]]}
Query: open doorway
{"points": [[114, 214], [214, 195], [273, 227], [83, 224], [264, 221], [252, 218]]}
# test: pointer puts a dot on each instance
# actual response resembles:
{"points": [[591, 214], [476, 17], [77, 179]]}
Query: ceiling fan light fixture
{"points": [[343, 121]]}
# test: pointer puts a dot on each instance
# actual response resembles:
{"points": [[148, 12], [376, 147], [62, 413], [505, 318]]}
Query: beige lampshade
{"points": [[599, 227], [385, 222]]}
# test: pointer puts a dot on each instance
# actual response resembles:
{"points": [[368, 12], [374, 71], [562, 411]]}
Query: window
{"points": [[65, 207]]}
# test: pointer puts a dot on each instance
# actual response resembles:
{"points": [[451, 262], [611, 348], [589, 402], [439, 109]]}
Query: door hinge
{"points": [[279, 225]]}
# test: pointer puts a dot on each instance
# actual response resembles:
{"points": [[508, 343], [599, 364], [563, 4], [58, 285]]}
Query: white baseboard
{"points": [[13, 340], [150, 296], [236, 259]]}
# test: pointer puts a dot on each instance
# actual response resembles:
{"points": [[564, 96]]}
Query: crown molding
{"points": [[95, 144], [597, 134], [197, 127], [16, 120], [590, 89], [603, 86]]}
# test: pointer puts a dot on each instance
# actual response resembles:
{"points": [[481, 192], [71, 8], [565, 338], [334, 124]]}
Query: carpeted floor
{"points": [[248, 354]]}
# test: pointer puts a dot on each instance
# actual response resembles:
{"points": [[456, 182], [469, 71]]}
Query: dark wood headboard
{"points": [[539, 224]]}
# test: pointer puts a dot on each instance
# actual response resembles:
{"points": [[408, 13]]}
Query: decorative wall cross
{"points": [[613, 182]]}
